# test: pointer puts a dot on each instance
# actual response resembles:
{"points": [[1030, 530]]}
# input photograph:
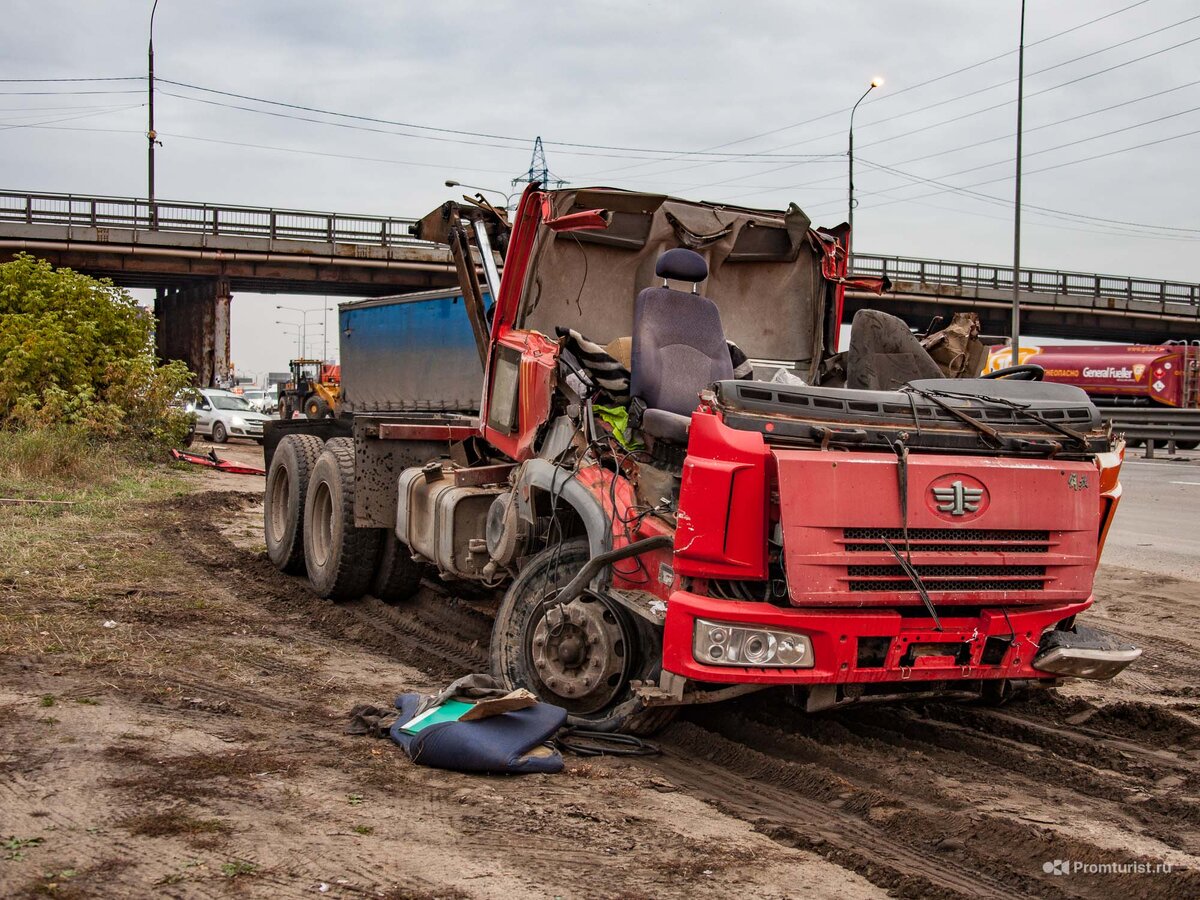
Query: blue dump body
{"points": [[412, 353]]}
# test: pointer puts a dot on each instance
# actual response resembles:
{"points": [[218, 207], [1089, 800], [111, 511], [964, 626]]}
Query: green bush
{"points": [[78, 351]]}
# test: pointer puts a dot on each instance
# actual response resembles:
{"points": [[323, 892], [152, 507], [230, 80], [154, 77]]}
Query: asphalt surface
{"points": [[1156, 529]]}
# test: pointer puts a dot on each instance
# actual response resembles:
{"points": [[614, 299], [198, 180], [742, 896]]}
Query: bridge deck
{"points": [[299, 251]]}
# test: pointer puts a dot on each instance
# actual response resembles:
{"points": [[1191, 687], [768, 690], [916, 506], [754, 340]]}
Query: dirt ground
{"points": [[171, 715]]}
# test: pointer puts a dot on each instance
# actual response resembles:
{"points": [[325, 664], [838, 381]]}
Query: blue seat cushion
{"points": [[505, 744]]}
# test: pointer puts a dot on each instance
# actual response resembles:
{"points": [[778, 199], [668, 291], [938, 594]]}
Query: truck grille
{"points": [[997, 577], [948, 578], [990, 540]]}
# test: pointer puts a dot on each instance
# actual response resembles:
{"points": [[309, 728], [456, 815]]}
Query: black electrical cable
{"points": [[583, 742]]}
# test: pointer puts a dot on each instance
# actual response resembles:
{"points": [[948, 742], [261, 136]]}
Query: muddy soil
{"points": [[202, 755]]}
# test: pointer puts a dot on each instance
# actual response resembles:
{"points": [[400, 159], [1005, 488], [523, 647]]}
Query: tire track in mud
{"points": [[438, 635], [893, 737], [841, 795], [911, 845], [802, 806]]}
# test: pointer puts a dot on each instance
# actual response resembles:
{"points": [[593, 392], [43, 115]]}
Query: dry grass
{"points": [[69, 568], [176, 822]]}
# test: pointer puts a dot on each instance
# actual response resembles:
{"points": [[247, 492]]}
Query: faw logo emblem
{"points": [[957, 499], [958, 496]]}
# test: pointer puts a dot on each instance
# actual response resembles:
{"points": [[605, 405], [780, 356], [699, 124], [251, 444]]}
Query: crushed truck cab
{"points": [[678, 492]]}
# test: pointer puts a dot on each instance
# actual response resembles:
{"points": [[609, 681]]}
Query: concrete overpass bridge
{"points": [[197, 255]]}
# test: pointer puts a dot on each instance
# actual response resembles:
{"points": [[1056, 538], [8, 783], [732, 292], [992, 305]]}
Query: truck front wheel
{"points": [[339, 557], [283, 509], [581, 656]]}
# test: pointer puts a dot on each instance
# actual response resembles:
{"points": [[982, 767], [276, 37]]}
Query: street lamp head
{"points": [[877, 81], [450, 182]]}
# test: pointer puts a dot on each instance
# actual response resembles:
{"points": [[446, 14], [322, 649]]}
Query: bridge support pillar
{"points": [[193, 326]]}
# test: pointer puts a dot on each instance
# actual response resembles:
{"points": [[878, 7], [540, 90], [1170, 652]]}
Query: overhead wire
{"points": [[925, 129], [896, 93], [70, 118], [520, 143]]}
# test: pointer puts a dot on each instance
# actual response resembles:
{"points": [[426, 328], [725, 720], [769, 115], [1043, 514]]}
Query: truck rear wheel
{"points": [[340, 558], [397, 576], [283, 510], [315, 407], [581, 657]]}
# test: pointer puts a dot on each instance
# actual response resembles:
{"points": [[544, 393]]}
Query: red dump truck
{"points": [[1120, 375], [648, 459]]}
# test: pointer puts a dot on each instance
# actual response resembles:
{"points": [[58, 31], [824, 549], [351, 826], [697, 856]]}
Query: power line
{"points": [[958, 118], [1053, 124], [71, 118], [59, 80], [893, 94], [525, 141], [964, 189], [62, 93], [1043, 209], [1085, 140]]}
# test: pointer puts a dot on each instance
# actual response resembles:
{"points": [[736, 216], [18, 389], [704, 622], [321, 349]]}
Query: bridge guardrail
{"points": [[291, 224], [1155, 425], [203, 218], [1038, 281]]}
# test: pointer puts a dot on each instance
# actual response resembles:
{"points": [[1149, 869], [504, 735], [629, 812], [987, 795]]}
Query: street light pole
{"points": [[304, 314], [875, 82], [450, 183], [299, 338], [151, 136], [1016, 296]]}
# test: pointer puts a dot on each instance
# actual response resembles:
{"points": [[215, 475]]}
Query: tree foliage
{"points": [[79, 351]]}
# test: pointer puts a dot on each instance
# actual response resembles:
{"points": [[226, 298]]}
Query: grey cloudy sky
{"points": [[1116, 185]]}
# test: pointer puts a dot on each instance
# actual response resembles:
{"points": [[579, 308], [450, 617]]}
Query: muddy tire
{"points": [[340, 559], [219, 434], [397, 576], [582, 658], [315, 407], [283, 506]]}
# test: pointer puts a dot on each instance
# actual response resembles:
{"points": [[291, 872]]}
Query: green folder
{"points": [[450, 711]]}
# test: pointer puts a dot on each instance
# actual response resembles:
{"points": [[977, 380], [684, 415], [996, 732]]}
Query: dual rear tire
{"points": [[308, 521]]}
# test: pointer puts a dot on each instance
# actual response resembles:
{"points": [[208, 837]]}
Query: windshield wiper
{"points": [[1025, 411], [907, 568], [991, 435]]}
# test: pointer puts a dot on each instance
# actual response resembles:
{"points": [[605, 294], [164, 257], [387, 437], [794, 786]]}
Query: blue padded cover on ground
{"points": [[498, 744]]}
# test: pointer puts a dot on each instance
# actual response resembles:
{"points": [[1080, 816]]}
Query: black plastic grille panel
{"points": [[948, 578], [985, 540]]}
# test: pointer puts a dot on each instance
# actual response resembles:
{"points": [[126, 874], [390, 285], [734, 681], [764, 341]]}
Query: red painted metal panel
{"points": [[835, 506], [539, 357], [722, 518], [834, 635]]}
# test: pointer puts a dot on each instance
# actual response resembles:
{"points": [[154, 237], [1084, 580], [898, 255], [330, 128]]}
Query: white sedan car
{"points": [[221, 415]]}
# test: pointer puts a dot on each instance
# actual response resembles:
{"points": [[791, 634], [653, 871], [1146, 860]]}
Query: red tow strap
{"points": [[212, 461]]}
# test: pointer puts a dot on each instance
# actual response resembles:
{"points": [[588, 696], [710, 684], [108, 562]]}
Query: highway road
{"points": [[1156, 529]]}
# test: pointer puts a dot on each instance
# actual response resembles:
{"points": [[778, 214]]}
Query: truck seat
{"points": [[679, 347], [884, 355]]}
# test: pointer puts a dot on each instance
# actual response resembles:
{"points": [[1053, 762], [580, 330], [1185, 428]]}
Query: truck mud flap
{"points": [[1084, 653]]}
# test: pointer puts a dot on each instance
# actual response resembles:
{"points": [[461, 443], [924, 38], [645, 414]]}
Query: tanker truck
{"points": [[1118, 374]]}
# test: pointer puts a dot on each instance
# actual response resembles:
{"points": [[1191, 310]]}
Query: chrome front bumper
{"points": [[1084, 653]]}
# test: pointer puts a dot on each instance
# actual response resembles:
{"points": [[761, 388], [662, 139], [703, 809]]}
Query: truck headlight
{"points": [[721, 644]]}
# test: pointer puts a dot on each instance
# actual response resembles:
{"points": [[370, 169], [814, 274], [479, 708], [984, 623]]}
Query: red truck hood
{"points": [[982, 530]]}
